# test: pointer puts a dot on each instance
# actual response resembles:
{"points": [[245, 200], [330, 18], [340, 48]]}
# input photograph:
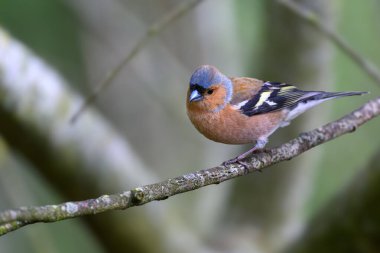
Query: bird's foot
{"points": [[236, 160], [239, 159]]}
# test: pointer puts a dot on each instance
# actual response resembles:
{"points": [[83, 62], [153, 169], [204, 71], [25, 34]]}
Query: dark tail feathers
{"points": [[324, 95]]}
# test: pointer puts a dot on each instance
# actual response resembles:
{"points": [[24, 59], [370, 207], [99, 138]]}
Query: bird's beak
{"points": [[195, 96]]}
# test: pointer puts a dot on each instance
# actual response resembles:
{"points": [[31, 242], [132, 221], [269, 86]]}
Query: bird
{"points": [[243, 110]]}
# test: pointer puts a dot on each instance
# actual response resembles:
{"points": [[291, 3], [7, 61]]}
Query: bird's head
{"points": [[209, 89]]}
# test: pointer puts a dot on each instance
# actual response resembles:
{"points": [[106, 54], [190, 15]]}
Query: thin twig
{"points": [[152, 32], [314, 21], [14, 219]]}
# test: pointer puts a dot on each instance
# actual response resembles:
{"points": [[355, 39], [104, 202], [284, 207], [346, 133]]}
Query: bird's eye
{"points": [[210, 92]]}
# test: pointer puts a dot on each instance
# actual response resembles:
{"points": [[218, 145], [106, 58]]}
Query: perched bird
{"points": [[242, 110]]}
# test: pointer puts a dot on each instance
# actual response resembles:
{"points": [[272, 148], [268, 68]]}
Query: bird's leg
{"points": [[241, 156], [260, 144]]}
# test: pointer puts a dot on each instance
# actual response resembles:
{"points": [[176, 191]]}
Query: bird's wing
{"points": [[270, 96], [244, 88]]}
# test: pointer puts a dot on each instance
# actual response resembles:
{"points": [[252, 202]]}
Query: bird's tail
{"points": [[327, 95], [313, 98], [321, 96]]}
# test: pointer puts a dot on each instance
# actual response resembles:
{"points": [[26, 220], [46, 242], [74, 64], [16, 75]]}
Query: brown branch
{"points": [[152, 32], [313, 19], [13, 219]]}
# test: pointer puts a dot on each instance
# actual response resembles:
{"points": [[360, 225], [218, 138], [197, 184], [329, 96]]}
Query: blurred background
{"points": [[137, 131]]}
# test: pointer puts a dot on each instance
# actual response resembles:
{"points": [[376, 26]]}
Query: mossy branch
{"points": [[11, 220]]}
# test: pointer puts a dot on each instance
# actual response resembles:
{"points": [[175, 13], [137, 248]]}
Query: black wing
{"points": [[274, 96]]}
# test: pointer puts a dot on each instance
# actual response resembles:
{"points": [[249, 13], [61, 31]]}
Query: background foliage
{"points": [[264, 212]]}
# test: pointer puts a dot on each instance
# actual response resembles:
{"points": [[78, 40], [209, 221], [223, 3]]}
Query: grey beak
{"points": [[195, 96]]}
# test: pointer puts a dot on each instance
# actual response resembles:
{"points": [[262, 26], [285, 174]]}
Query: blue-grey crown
{"points": [[205, 76]]}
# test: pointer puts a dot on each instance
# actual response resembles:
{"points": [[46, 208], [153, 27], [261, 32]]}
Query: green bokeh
{"points": [[50, 29], [344, 157]]}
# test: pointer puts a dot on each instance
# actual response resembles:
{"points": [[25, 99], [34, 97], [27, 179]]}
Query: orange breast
{"points": [[232, 127]]}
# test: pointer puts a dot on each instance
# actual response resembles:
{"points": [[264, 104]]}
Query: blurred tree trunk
{"points": [[274, 200], [350, 222]]}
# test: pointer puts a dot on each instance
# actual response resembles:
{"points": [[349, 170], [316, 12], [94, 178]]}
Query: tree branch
{"points": [[314, 21], [10, 226], [13, 219]]}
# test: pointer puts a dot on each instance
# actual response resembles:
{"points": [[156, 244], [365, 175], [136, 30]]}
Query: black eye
{"points": [[210, 92]]}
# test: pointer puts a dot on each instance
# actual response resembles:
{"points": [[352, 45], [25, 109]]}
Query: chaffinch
{"points": [[241, 110]]}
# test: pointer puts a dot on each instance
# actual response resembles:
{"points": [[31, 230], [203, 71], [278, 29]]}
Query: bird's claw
{"points": [[238, 161], [239, 158], [229, 162]]}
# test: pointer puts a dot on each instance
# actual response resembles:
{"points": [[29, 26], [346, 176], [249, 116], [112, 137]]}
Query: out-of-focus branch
{"points": [[10, 226], [13, 219], [315, 21], [35, 104], [152, 32], [81, 160]]}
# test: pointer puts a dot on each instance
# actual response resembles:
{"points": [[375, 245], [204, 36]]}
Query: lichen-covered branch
{"points": [[14, 219], [10, 226], [313, 20]]}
